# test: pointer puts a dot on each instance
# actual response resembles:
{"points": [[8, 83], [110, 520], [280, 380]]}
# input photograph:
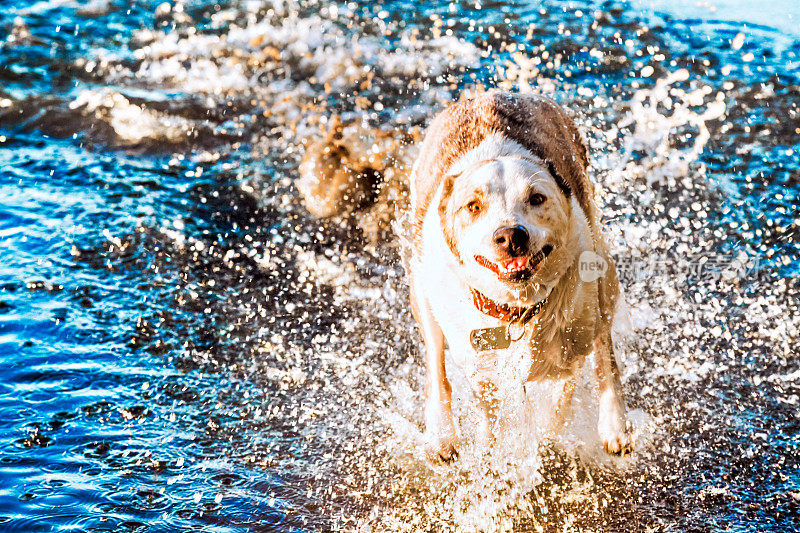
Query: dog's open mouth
{"points": [[516, 269]]}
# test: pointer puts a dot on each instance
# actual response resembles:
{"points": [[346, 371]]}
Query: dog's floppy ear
{"points": [[446, 214], [560, 181]]}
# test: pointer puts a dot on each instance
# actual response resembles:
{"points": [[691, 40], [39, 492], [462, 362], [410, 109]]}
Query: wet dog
{"points": [[508, 263]]}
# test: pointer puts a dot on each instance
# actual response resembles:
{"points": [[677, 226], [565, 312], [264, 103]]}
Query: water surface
{"points": [[185, 348]]}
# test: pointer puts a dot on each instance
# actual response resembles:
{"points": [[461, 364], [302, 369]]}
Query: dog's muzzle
{"points": [[516, 269]]}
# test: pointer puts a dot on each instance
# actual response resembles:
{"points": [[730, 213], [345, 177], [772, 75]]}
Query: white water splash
{"points": [[654, 129]]}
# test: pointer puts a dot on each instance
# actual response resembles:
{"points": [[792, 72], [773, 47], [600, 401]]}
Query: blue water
{"points": [[156, 376]]}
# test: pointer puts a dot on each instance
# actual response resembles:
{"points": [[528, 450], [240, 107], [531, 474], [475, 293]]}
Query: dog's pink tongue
{"points": [[515, 264]]}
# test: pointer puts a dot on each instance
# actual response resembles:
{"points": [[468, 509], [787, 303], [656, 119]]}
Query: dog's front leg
{"points": [[439, 427], [612, 422]]}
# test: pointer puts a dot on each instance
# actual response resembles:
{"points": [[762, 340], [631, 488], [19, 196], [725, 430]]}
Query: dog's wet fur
{"points": [[501, 204]]}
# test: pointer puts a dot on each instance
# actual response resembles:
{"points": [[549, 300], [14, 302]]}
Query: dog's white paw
{"points": [[612, 425], [615, 435], [441, 447], [618, 444], [440, 432], [441, 440]]}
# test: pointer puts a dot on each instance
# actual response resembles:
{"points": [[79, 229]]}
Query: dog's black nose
{"points": [[513, 240]]}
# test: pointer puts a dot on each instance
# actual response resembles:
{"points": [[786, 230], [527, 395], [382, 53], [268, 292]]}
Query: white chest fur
{"points": [[540, 348]]}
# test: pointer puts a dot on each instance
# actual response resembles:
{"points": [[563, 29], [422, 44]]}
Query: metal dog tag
{"points": [[490, 338]]}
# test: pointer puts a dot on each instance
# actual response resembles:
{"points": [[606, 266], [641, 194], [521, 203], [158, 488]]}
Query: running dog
{"points": [[509, 264]]}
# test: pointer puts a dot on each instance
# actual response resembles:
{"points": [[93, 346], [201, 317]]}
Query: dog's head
{"points": [[511, 224]]}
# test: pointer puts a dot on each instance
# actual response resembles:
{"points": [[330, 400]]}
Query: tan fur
{"points": [[359, 172], [333, 179]]}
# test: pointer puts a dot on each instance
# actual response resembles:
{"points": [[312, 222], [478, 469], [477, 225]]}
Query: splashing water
{"points": [[186, 348]]}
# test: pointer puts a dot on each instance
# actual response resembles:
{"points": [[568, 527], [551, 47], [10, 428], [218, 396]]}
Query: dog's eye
{"points": [[474, 207], [537, 199]]}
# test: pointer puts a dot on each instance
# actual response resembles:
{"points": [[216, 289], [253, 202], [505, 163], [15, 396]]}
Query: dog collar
{"points": [[504, 312], [500, 338]]}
